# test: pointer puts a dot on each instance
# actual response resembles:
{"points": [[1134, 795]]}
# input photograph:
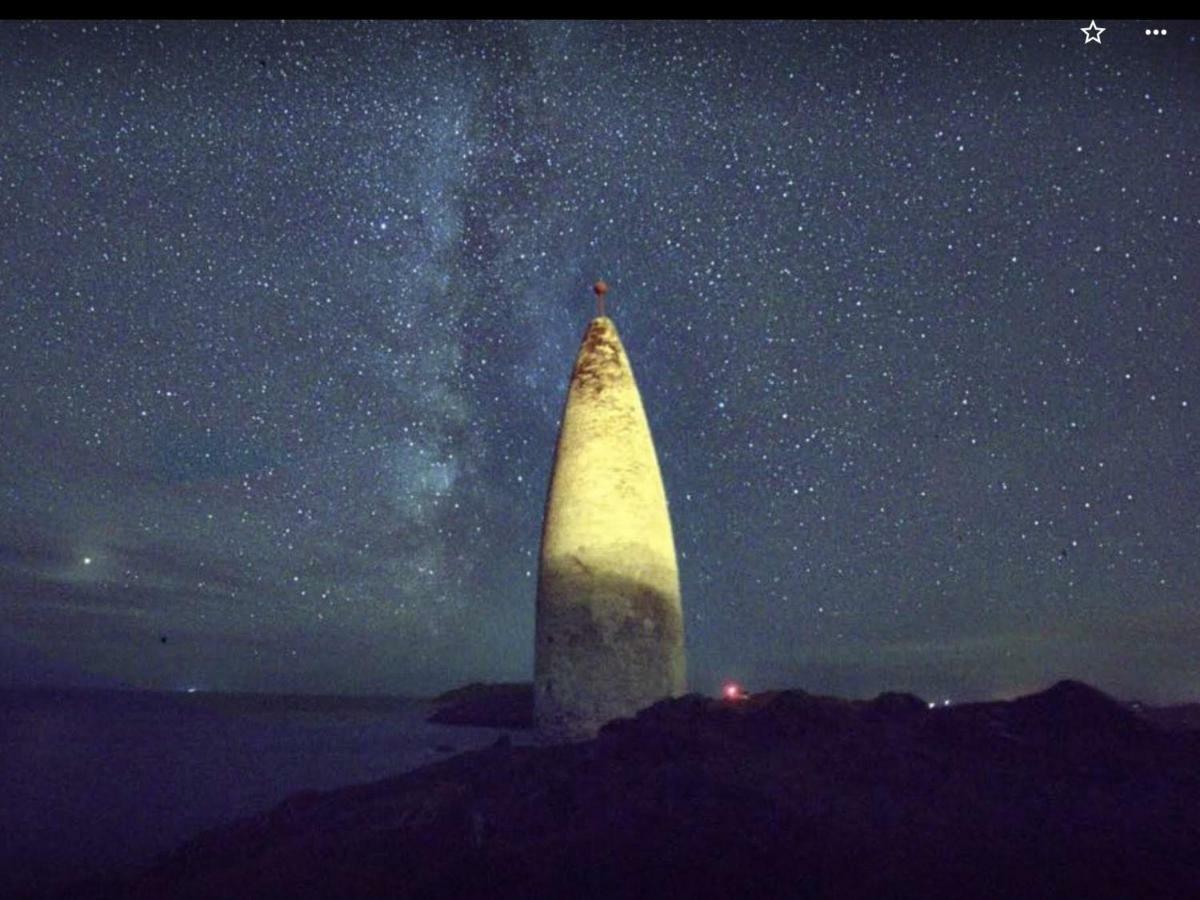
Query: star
{"points": [[1092, 33]]}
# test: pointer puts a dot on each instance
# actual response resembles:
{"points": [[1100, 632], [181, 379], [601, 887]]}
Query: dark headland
{"points": [[1065, 793], [503, 705]]}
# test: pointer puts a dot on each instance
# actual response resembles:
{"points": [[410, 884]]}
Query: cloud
{"points": [[26, 547]]}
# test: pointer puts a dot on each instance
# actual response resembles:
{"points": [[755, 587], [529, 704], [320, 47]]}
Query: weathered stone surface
{"points": [[609, 616]]}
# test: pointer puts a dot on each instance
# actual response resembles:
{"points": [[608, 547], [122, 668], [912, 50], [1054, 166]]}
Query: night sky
{"points": [[287, 313]]}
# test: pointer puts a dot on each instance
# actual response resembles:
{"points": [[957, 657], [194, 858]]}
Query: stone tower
{"points": [[609, 633]]}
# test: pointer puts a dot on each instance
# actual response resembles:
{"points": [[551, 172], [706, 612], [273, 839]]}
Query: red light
{"points": [[733, 691]]}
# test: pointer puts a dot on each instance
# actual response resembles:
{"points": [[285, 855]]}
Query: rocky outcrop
{"points": [[1066, 793], [507, 705]]}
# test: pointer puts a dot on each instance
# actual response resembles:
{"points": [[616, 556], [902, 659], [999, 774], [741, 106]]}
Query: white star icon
{"points": [[1092, 33]]}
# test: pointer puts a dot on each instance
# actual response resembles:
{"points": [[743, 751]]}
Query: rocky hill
{"points": [[1065, 793], [505, 705]]}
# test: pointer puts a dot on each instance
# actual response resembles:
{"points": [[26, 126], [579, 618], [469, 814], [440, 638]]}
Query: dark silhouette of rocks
{"points": [[1066, 793], [506, 705]]}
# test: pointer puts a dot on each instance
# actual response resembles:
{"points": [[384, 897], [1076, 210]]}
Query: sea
{"points": [[93, 781]]}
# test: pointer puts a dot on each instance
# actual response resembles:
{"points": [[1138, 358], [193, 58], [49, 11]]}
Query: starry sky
{"points": [[287, 313]]}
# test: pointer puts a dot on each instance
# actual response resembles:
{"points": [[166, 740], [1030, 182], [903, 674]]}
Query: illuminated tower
{"points": [[609, 634]]}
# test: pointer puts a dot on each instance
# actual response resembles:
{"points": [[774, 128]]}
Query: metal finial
{"points": [[600, 289]]}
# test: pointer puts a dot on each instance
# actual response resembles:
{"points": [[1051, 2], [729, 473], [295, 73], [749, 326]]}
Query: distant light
{"points": [[946, 702], [191, 690], [87, 560], [932, 705], [733, 691]]}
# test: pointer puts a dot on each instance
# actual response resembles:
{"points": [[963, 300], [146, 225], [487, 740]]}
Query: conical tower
{"points": [[609, 634]]}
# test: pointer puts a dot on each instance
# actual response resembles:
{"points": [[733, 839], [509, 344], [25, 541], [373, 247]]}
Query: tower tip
{"points": [[600, 288]]}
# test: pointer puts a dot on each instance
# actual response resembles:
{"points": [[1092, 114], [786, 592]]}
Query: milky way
{"points": [[289, 310]]}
